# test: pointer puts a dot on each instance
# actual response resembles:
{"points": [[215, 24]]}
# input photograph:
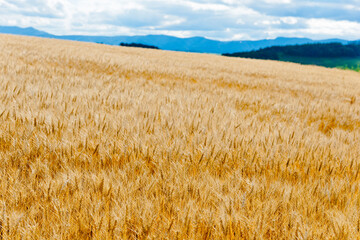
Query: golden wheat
{"points": [[106, 142]]}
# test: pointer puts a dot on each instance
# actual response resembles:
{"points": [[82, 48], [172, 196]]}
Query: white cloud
{"points": [[218, 19], [289, 20], [278, 1], [333, 28], [206, 6]]}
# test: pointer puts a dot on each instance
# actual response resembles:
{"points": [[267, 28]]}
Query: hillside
{"points": [[109, 142]]}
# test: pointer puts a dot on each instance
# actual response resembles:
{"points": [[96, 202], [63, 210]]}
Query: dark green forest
{"points": [[138, 45], [317, 50], [322, 54]]}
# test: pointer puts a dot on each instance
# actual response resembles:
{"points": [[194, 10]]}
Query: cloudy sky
{"points": [[215, 19]]}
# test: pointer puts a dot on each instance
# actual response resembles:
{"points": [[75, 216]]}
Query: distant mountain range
{"points": [[193, 44]]}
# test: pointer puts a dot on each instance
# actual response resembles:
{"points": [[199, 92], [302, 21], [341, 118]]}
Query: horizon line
{"points": [[196, 36]]}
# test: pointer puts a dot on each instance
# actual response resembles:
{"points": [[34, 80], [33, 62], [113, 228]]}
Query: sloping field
{"points": [[108, 142]]}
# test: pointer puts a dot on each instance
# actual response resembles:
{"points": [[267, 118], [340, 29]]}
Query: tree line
{"points": [[140, 45], [316, 50]]}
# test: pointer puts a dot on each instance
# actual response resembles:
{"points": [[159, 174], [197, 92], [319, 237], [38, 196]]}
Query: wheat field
{"points": [[107, 142]]}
